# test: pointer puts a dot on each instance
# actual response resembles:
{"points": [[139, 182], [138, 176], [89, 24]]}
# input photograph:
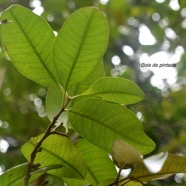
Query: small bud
{"points": [[124, 155]]}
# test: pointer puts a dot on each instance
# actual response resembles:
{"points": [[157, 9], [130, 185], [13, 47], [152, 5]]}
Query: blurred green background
{"points": [[142, 32]]}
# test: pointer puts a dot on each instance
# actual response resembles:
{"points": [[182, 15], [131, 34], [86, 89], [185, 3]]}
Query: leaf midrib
{"points": [[115, 92], [18, 178], [79, 49], [59, 158], [103, 124], [92, 175], [22, 176]]}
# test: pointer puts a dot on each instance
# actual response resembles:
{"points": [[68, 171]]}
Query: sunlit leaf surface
{"points": [[58, 150], [103, 122], [77, 49], [15, 176], [27, 39], [117, 90], [100, 165]]}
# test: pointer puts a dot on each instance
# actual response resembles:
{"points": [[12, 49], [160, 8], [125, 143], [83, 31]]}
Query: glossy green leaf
{"points": [[174, 164], [80, 45], [117, 90], [58, 150], [99, 164], [15, 176], [102, 123], [28, 41]]}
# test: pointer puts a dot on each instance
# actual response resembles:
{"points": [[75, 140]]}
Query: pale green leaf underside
{"points": [[174, 164], [102, 123], [107, 182], [80, 45], [133, 183], [117, 90], [75, 182], [80, 87], [99, 164], [54, 102], [58, 150], [28, 40], [15, 176], [55, 97], [121, 183]]}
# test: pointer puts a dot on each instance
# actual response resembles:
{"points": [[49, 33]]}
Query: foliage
{"points": [[86, 103]]}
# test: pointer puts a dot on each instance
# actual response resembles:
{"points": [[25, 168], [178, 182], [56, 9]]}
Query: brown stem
{"points": [[117, 181], [37, 148]]}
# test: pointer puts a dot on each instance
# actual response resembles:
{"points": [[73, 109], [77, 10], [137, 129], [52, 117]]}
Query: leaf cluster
{"points": [[81, 101]]}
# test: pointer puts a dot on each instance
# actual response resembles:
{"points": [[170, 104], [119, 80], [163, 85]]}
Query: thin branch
{"points": [[58, 133], [37, 148], [118, 176]]}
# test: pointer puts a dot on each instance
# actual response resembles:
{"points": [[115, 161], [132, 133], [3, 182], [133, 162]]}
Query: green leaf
{"points": [[107, 182], [49, 179], [58, 150], [125, 182], [55, 97], [82, 86], [85, 84], [99, 164], [102, 123], [133, 183], [117, 90], [80, 45], [75, 182], [174, 164], [28, 40], [15, 176], [54, 102]]}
